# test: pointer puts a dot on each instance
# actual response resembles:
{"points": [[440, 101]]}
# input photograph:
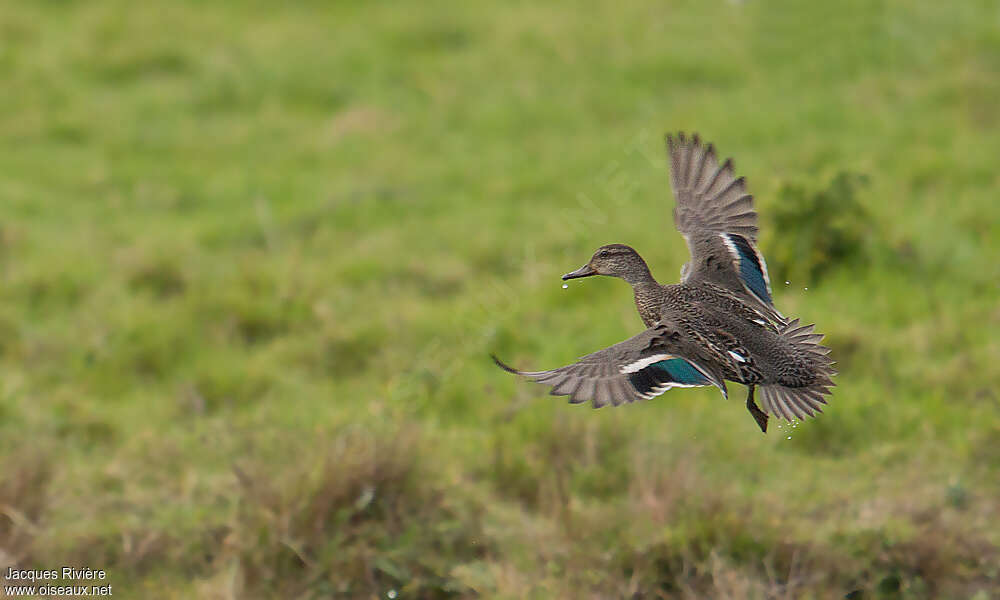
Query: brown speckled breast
{"points": [[649, 300]]}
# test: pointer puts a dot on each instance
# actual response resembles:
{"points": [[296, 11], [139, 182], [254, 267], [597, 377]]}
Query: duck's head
{"points": [[615, 260]]}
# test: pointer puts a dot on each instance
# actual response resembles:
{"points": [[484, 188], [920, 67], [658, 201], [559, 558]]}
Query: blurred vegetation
{"points": [[254, 258], [815, 231]]}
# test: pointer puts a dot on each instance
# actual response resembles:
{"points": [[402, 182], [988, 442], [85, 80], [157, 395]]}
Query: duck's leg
{"points": [[758, 415]]}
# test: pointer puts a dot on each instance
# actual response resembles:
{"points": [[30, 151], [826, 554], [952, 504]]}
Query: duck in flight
{"points": [[719, 323]]}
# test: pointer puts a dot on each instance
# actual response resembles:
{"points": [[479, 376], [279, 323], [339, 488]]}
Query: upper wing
{"points": [[641, 367], [716, 215], [709, 196]]}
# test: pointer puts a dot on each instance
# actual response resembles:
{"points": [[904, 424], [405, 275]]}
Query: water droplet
{"points": [[391, 594], [806, 289], [789, 437], [565, 285], [787, 282]]}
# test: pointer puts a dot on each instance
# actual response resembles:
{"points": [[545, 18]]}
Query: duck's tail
{"points": [[805, 381]]}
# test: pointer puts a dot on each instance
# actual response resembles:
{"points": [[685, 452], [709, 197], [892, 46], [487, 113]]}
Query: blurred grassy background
{"points": [[254, 258]]}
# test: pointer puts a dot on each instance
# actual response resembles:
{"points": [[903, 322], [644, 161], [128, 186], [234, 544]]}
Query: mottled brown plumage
{"points": [[718, 324]]}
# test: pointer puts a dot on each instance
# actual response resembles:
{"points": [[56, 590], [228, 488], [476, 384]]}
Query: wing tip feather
{"points": [[504, 365]]}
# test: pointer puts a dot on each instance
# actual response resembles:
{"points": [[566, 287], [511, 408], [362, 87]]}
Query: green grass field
{"points": [[254, 259]]}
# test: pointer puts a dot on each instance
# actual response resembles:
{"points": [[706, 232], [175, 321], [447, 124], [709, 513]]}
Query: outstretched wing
{"points": [[639, 368], [709, 196], [716, 215]]}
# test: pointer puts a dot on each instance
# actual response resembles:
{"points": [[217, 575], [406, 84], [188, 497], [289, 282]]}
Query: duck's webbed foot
{"points": [[758, 415]]}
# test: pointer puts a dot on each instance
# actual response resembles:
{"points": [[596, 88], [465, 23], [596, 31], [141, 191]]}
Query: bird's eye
{"points": [[603, 253]]}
